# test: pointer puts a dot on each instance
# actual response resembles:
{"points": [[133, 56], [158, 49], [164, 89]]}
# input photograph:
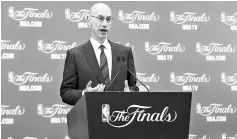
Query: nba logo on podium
{"points": [[105, 112]]}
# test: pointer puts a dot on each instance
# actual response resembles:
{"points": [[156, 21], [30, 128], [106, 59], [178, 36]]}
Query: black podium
{"points": [[131, 115]]}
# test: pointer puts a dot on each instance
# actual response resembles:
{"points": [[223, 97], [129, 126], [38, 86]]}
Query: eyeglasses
{"points": [[101, 18]]}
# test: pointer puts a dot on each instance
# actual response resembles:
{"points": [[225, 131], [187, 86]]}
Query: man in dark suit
{"points": [[92, 66]]}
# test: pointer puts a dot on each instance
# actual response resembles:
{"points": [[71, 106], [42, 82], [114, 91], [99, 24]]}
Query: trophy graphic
{"points": [[67, 137], [105, 112], [198, 47], [86, 15], [40, 109], [147, 47], [172, 16], [222, 17], [142, 88], [29, 138], [67, 13], [11, 76], [40, 45], [172, 77], [199, 108], [128, 45], [223, 77], [223, 136], [11, 11], [120, 15]]}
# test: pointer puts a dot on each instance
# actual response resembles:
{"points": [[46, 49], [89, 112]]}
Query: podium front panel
{"points": [[138, 115]]}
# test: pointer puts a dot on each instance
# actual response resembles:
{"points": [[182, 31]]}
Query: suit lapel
{"points": [[90, 55], [115, 53]]}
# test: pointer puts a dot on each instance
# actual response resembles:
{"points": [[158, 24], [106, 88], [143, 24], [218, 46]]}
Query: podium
{"points": [[130, 115]]}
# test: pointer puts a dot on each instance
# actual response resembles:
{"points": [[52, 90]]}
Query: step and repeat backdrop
{"points": [[177, 46]]}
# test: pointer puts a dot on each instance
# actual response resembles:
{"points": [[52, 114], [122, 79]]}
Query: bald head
{"points": [[100, 9], [100, 21]]}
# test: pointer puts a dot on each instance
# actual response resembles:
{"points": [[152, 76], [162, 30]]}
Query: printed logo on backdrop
{"points": [[230, 20], [80, 17], [147, 79], [57, 49], [215, 51], [8, 112], [29, 17], [133, 19], [189, 81], [57, 113], [164, 50], [136, 113], [215, 112], [29, 81], [192, 136], [230, 80], [225, 136], [189, 20], [8, 46]]}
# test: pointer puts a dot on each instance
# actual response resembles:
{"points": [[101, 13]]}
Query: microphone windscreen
{"points": [[118, 58], [123, 58]]}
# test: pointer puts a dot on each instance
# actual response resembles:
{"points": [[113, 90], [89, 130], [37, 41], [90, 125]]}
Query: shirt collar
{"points": [[96, 45]]}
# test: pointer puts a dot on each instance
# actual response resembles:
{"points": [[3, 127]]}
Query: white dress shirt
{"points": [[107, 50]]}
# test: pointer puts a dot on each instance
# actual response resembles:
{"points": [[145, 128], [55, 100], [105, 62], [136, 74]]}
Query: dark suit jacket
{"points": [[81, 66]]}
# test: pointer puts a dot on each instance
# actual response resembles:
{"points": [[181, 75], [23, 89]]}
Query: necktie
{"points": [[104, 65]]}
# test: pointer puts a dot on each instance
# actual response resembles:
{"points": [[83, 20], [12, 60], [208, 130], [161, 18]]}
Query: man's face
{"points": [[100, 21]]}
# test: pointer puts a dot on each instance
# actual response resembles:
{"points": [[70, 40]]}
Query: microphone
{"points": [[124, 60], [118, 59]]}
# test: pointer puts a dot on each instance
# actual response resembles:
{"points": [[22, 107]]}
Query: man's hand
{"points": [[98, 88], [126, 88]]}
